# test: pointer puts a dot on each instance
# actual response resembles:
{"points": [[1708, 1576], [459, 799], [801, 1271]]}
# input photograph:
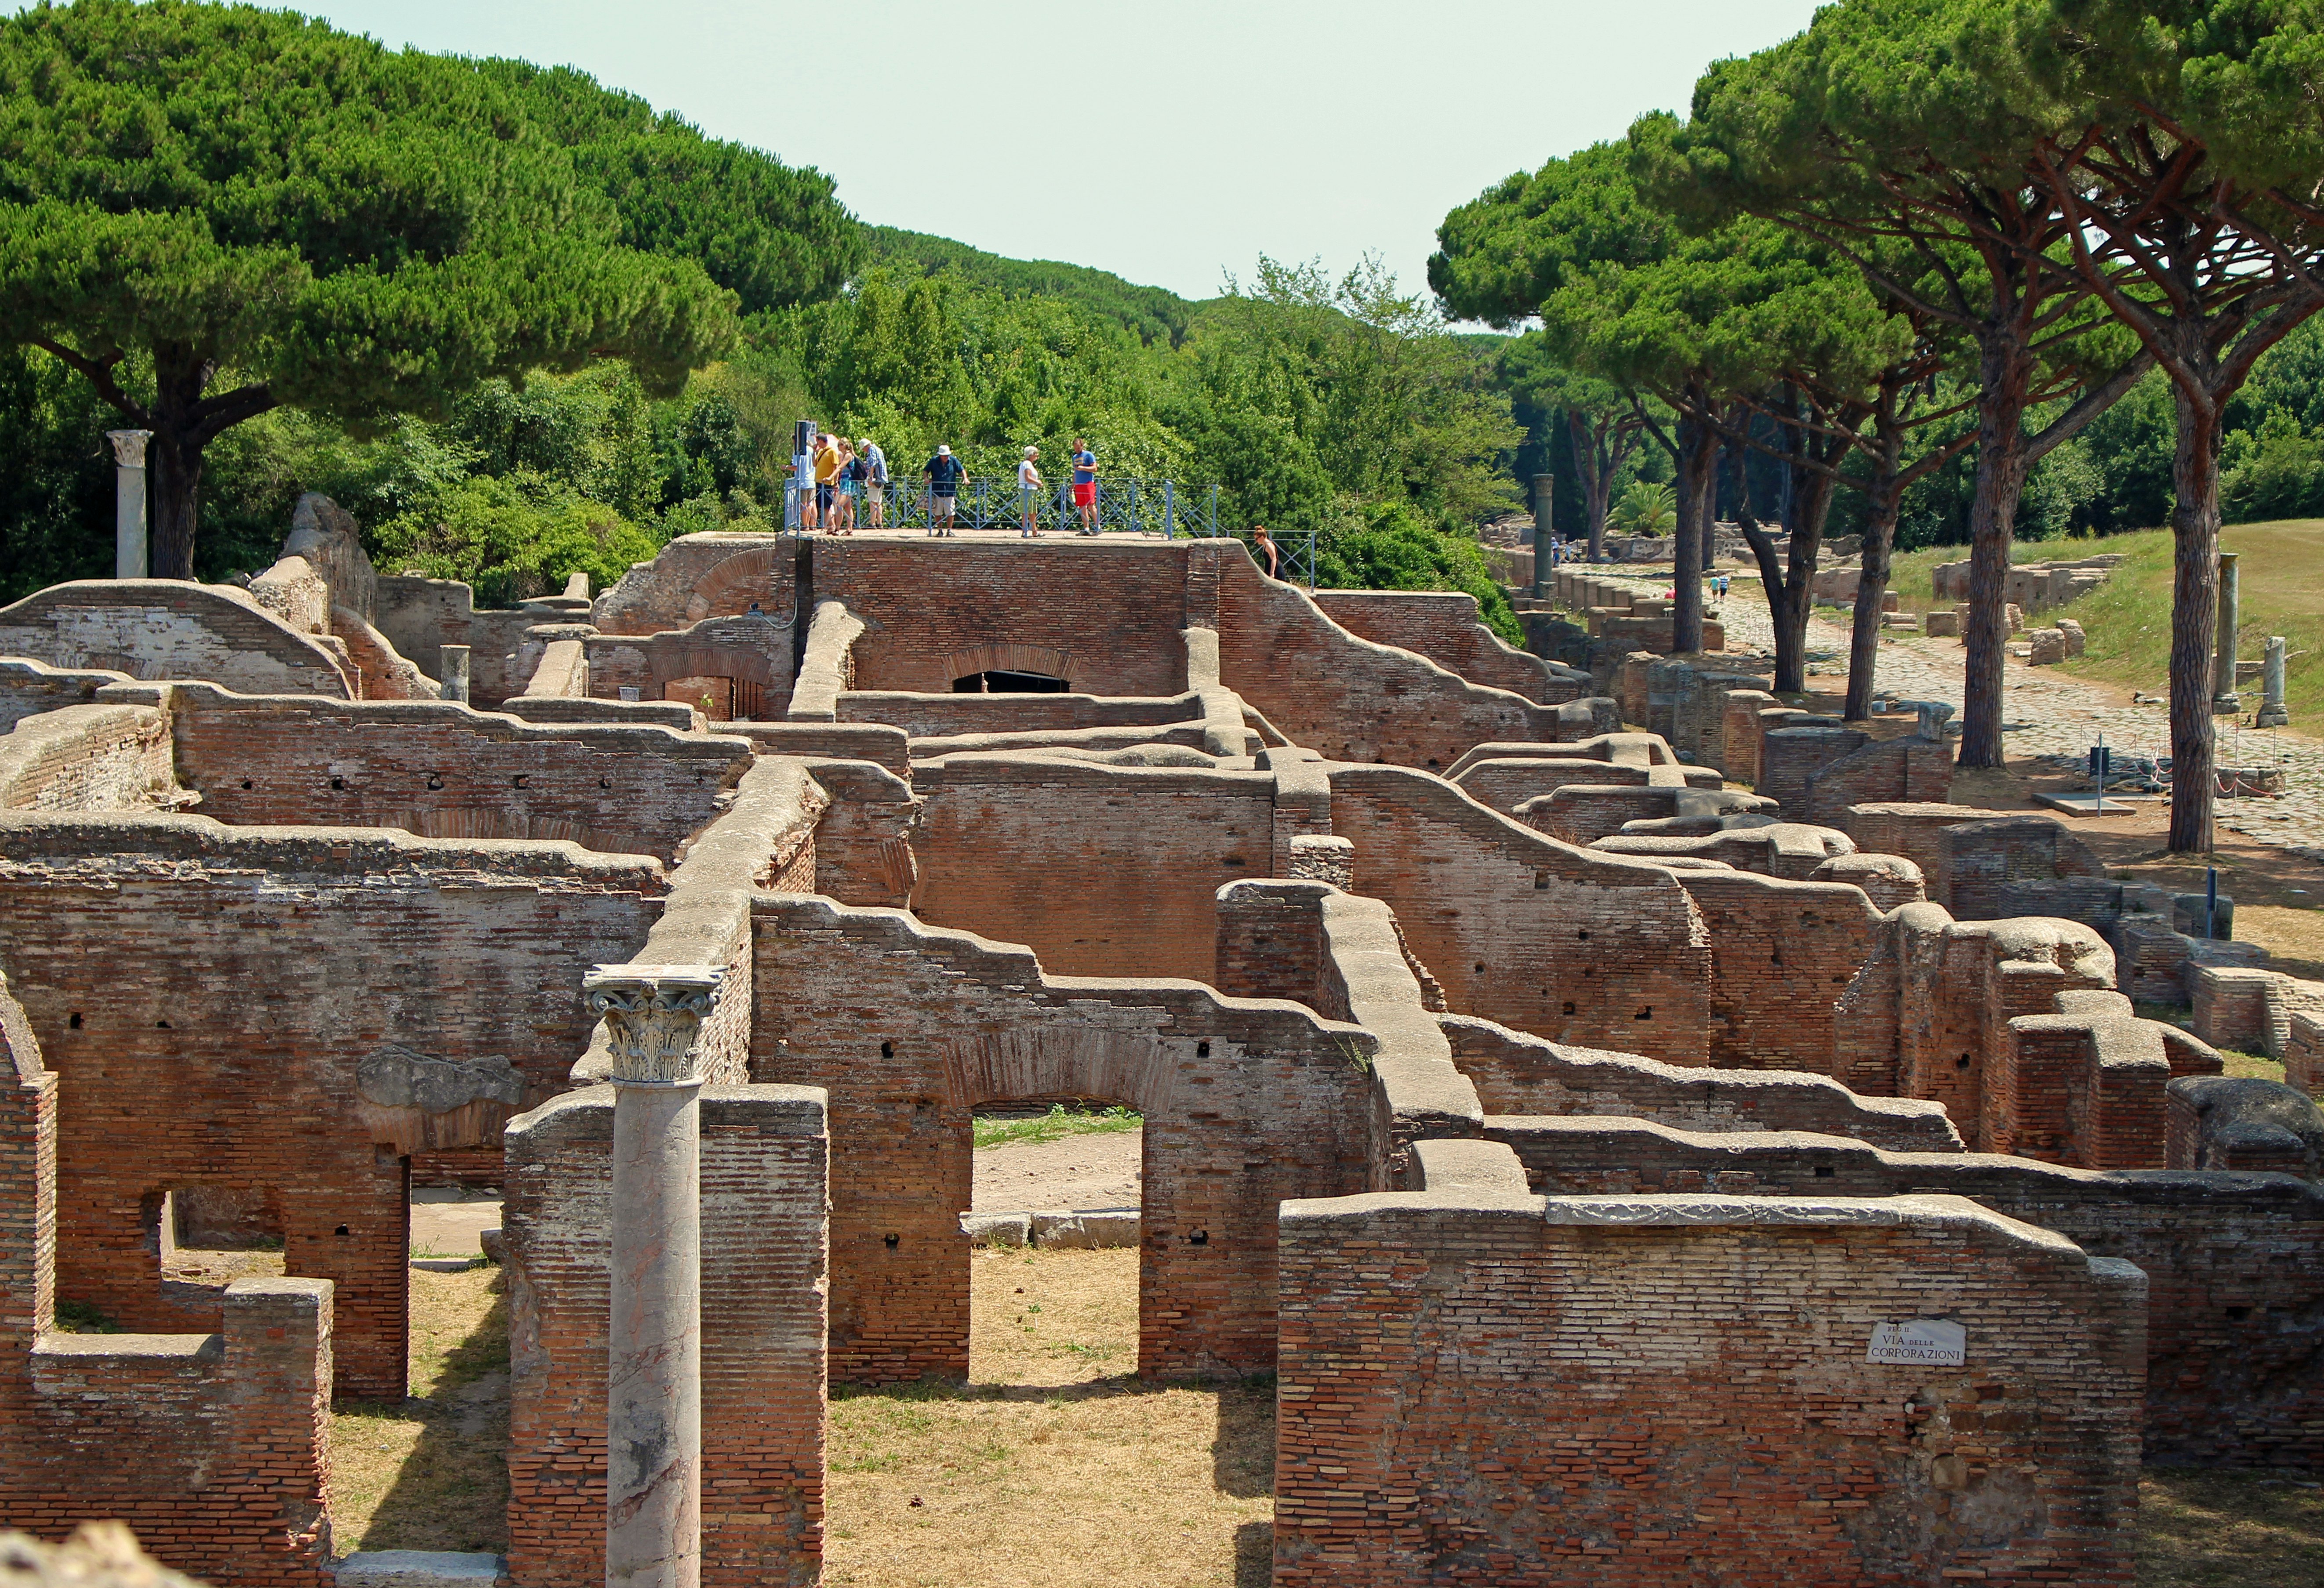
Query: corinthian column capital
{"points": [[653, 1016], [129, 446]]}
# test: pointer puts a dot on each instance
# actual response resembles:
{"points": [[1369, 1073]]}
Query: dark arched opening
{"points": [[1005, 680]]}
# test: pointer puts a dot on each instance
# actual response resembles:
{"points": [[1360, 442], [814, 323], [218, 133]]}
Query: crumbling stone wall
{"points": [[167, 628], [28, 688], [223, 1044], [765, 1152], [1102, 870], [1443, 627], [2228, 1257], [441, 770], [747, 660], [99, 757], [421, 616], [909, 1029], [1485, 1386], [214, 1447], [1598, 950]]}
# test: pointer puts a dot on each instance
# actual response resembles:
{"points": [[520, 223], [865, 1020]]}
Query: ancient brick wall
{"points": [[1597, 950], [1908, 769], [421, 616], [746, 661], [105, 757], [1985, 866], [165, 628], [214, 1447], [1443, 627], [2228, 1257], [949, 716], [909, 1029], [257, 972], [863, 838], [440, 770], [1102, 870], [1351, 699], [28, 688], [1784, 955], [1646, 1390], [1517, 1074], [765, 1154], [1103, 616], [698, 577]]}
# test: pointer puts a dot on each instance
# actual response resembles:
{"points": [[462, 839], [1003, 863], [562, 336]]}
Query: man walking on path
{"points": [[944, 474], [875, 485], [1085, 484], [1028, 491]]}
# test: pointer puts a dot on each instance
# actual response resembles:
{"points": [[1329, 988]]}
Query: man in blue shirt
{"points": [[875, 480], [944, 476], [1085, 484]]}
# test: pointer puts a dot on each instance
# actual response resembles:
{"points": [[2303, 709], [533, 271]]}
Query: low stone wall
{"points": [[1443, 627], [2227, 1256], [1515, 1073], [28, 688], [442, 770], [1654, 1388], [158, 628], [107, 758]]}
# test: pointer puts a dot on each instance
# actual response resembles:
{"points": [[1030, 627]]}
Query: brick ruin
{"points": [[1626, 1173]]}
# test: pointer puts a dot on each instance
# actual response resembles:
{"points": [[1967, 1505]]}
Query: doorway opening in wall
{"points": [[430, 1472], [1166, 1481], [206, 1236], [1007, 681]]}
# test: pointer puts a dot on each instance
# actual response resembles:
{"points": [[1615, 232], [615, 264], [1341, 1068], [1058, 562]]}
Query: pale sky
{"points": [[1165, 142]]}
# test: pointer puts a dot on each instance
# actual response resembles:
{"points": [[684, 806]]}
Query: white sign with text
{"points": [[1919, 1342]]}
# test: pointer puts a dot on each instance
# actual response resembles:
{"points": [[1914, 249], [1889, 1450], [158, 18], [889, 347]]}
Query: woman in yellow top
{"points": [[826, 470]]}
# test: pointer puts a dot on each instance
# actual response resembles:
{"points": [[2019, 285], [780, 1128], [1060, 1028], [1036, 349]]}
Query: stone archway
{"points": [[729, 588], [1009, 657]]}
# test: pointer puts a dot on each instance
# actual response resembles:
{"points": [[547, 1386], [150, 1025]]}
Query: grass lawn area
{"points": [[2128, 617], [1057, 1123]]}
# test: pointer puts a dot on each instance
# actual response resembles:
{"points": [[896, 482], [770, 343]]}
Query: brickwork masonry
{"points": [[1481, 1386]]}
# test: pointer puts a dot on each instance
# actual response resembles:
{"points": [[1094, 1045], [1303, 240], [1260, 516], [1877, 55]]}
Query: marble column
{"points": [[2271, 712], [653, 1015], [129, 559], [1544, 575], [452, 664], [2225, 700]]}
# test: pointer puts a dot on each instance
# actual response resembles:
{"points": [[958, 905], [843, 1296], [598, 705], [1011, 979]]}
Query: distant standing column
{"points": [[653, 1014], [2271, 712], [452, 663], [129, 501], [1544, 575], [2225, 700]]}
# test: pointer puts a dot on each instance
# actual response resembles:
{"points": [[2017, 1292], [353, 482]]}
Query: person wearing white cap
{"points": [[1028, 490], [944, 476]]}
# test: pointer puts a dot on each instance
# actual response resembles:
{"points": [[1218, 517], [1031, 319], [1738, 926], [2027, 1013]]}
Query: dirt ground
{"points": [[1079, 1171]]}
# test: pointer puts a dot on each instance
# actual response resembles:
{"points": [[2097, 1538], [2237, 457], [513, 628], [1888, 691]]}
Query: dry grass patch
{"points": [[431, 1472], [1054, 1466], [2200, 1529], [2295, 937]]}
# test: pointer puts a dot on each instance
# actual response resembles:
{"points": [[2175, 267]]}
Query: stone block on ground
{"points": [[1941, 625], [997, 1229], [2045, 647], [1087, 1229], [419, 1568]]}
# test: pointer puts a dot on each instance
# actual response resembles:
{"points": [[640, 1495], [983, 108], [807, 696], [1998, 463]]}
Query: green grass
{"points": [[1057, 1125], [2128, 617]]}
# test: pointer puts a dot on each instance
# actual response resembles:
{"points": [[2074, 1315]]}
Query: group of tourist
{"points": [[844, 471]]}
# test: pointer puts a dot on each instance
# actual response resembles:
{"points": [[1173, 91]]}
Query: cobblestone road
{"points": [[2048, 713]]}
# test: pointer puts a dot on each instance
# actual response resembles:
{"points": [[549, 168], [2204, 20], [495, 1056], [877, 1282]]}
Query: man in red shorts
{"points": [[1085, 484]]}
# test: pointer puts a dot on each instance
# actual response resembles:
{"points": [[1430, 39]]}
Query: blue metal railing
{"points": [[1137, 506]]}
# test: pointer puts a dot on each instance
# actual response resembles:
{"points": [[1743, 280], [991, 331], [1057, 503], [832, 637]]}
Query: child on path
{"points": [[1028, 491]]}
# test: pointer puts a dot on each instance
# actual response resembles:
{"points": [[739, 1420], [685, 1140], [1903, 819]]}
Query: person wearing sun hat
{"points": [[944, 476], [1028, 491]]}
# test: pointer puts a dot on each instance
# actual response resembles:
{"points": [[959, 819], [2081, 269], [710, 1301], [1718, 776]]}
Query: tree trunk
{"points": [[173, 461], [2194, 620], [1698, 474], [1883, 499], [1594, 478], [1803, 516], [2004, 370]]}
